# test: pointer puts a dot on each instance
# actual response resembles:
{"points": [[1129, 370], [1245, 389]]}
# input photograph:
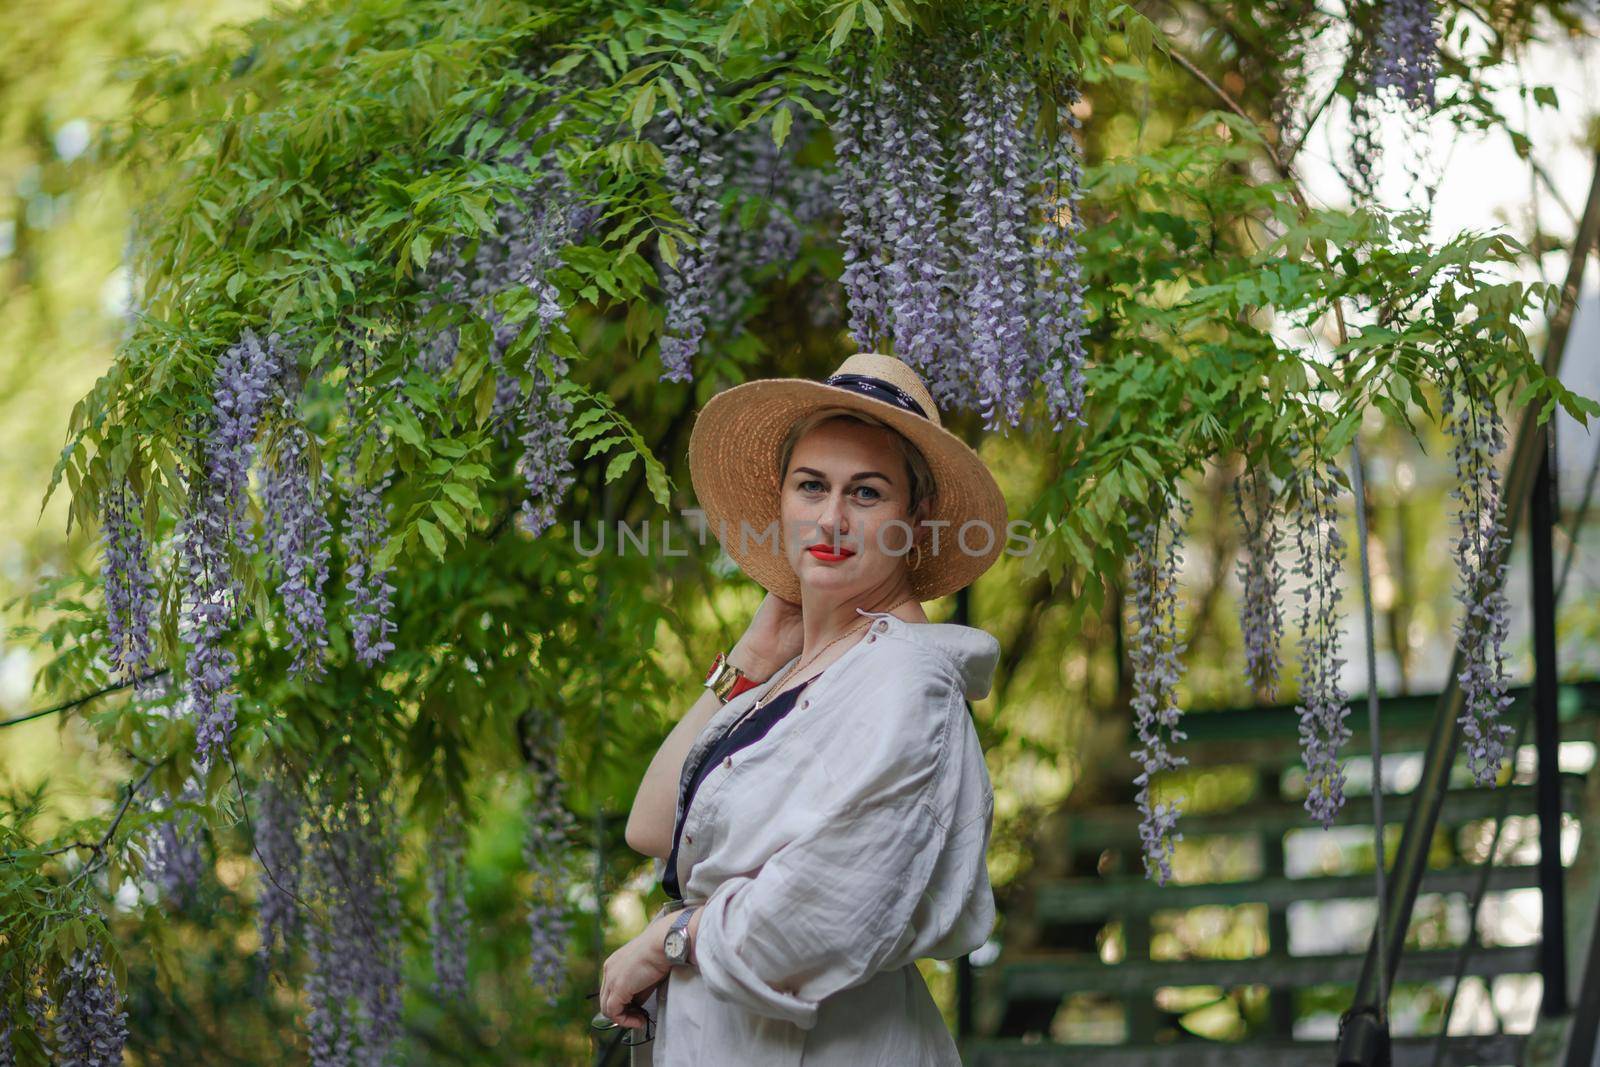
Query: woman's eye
{"points": [[869, 489], [808, 482]]}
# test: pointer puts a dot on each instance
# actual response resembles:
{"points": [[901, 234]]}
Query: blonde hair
{"points": [[922, 483]]}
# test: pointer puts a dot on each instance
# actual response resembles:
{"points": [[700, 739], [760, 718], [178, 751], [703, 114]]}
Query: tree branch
{"points": [[99, 848], [77, 701]]}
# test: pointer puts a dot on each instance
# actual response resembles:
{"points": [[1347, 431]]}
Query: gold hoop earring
{"points": [[916, 551]]}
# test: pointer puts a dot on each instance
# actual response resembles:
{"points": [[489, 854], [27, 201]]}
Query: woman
{"points": [[826, 826]]}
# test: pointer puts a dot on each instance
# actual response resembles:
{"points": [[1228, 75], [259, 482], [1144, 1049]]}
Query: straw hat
{"points": [[735, 446]]}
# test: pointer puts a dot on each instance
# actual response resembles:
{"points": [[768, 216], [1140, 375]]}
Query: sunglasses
{"points": [[631, 1035]]}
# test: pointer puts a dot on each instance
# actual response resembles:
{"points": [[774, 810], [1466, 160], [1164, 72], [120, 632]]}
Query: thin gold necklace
{"points": [[794, 670]]}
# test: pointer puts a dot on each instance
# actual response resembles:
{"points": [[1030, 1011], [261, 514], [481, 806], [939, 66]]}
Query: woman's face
{"points": [[845, 481]]}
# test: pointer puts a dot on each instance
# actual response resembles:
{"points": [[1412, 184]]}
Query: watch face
{"points": [[675, 945]]}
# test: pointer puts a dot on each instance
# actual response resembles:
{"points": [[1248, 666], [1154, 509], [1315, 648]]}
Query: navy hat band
{"points": [[877, 389]]}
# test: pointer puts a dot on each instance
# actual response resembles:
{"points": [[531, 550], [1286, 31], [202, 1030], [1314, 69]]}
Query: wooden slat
{"points": [[1040, 979], [1490, 1050], [1119, 825], [1268, 735], [1084, 899]]}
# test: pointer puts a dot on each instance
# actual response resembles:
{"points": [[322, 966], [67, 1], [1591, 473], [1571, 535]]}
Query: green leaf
{"points": [[842, 27], [873, 16], [450, 518], [605, 444], [644, 105], [464, 495], [668, 249], [409, 429], [431, 537], [421, 249], [566, 64], [780, 125], [655, 476], [619, 463]]}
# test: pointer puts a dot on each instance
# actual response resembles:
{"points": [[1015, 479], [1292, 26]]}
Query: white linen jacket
{"points": [[832, 854]]}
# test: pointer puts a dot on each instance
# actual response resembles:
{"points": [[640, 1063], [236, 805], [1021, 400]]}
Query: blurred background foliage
{"points": [[196, 991]]}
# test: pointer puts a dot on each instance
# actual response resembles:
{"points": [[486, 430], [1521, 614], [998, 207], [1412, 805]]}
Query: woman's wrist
{"points": [[753, 665]]}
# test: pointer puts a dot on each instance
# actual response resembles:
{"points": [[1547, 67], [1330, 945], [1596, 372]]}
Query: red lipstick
{"points": [[823, 553]]}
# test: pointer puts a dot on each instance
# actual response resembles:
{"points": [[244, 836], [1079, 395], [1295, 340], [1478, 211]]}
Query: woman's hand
{"points": [[630, 973], [775, 636]]}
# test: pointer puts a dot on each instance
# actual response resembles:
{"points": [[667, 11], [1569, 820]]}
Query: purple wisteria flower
{"points": [[915, 172], [1480, 550], [368, 591], [546, 460], [1261, 574], [1059, 312], [130, 588], [1155, 656], [353, 988], [694, 176], [861, 188], [91, 1025], [1322, 707], [176, 859], [993, 228], [277, 847], [211, 529], [545, 851], [1408, 57], [295, 493], [447, 911]]}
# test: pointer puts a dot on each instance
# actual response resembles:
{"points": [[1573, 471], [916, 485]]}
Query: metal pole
{"points": [[1364, 1035], [1547, 734]]}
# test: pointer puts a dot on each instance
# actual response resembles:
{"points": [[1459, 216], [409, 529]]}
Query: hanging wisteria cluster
{"points": [[1480, 550], [693, 171], [546, 215], [130, 589], [278, 851], [214, 524], [295, 496], [176, 861], [353, 987], [91, 1025], [1321, 708], [707, 169], [1155, 656], [1408, 52], [1261, 574], [369, 594], [546, 851], [917, 307], [447, 910], [960, 232], [1361, 164], [83, 1024]]}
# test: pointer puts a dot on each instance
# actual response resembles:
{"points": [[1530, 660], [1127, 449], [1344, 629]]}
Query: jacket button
{"points": [[872, 637], [805, 703], [728, 762], [689, 838], [881, 627]]}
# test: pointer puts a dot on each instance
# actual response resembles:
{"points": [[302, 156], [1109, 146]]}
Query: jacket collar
{"points": [[973, 652]]}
